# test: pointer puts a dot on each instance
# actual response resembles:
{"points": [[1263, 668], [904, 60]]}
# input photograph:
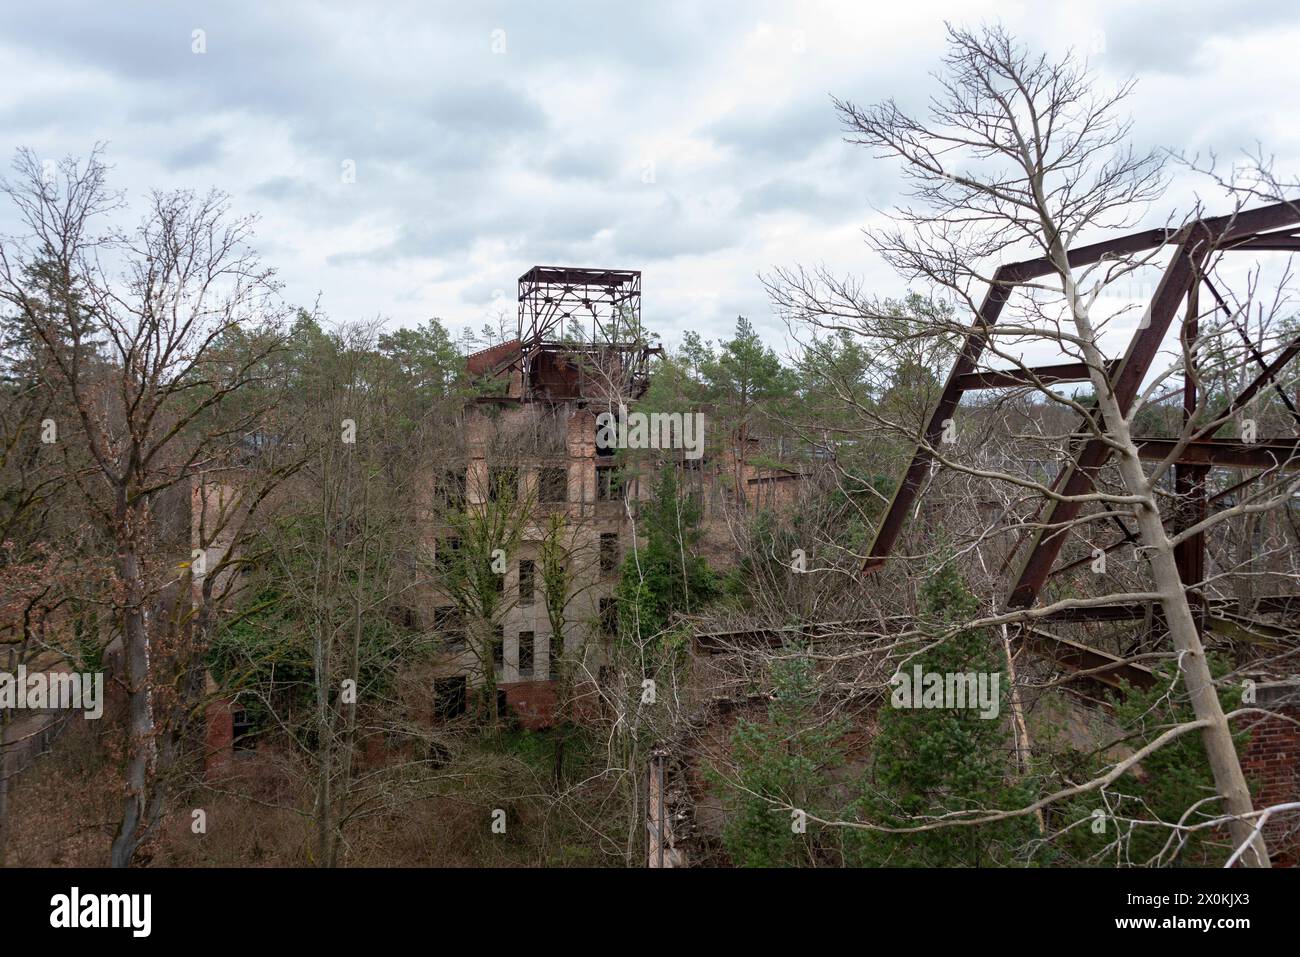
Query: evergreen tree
{"points": [[932, 761], [786, 760], [1130, 823], [665, 575]]}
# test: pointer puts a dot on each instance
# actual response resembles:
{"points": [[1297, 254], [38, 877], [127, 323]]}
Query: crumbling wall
{"points": [[1272, 764]]}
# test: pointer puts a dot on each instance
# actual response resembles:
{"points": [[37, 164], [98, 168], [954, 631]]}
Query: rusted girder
{"points": [[1097, 665], [1189, 480], [1015, 378], [1115, 611], [1268, 227], [1004, 280], [1225, 453], [1196, 244], [1047, 542]]}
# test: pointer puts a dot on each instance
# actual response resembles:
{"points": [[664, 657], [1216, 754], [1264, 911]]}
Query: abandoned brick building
{"points": [[530, 438]]}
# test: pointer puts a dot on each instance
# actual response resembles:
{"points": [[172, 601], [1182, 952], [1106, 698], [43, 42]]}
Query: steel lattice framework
{"points": [[549, 296], [605, 301], [1274, 227]]}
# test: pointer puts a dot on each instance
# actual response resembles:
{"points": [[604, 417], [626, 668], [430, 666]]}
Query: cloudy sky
{"points": [[696, 145]]}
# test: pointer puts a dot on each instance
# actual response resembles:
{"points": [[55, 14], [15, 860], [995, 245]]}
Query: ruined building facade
{"points": [[530, 442]]}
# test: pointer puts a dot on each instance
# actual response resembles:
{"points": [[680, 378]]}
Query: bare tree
{"points": [[161, 297], [1020, 156]]}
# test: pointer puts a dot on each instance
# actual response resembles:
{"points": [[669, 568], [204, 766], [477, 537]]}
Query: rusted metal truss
{"points": [[608, 301], [606, 304], [1089, 663], [1274, 227]]}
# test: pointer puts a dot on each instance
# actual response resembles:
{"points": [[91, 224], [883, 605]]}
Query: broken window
{"points": [[242, 731], [503, 483], [553, 485], [604, 448], [527, 581], [498, 649], [446, 551], [449, 697], [608, 615], [450, 490], [526, 654], [608, 551], [608, 486], [447, 624]]}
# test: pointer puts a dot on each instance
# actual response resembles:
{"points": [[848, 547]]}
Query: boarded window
{"points": [[498, 649]]}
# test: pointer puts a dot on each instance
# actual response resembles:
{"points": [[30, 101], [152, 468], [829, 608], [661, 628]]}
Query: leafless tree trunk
{"points": [[146, 409], [1018, 158]]}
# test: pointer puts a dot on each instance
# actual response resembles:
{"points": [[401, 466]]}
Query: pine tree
{"points": [[786, 760], [932, 761]]}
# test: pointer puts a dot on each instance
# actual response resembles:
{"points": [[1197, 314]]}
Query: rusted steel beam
{"points": [[1259, 633], [1118, 247], [1262, 381], [1283, 241], [1236, 231], [1279, 605], [1250, 479], [1226, 453], [1246, 224], [1132, 610], [1015, 378], [1047, 542], [717, 642], [1195, 243], [1189, 554], [1269, 369], [891, 523], [1189, 480], [1097, 665], [1128, 539], [1222, 229], [1116, 611], [1088, 559]]}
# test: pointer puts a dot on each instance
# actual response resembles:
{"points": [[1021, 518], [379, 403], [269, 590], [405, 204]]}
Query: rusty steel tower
{"points": [[580, 332]]}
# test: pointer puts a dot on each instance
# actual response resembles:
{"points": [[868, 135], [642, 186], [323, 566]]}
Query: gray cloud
{"points": [[1172, 37], [473, 165], [790, 132], [204, 151]]}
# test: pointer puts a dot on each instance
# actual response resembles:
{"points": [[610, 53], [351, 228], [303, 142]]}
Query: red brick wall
{"points": [[532, 703], [1272, 766], [219, 737]]}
